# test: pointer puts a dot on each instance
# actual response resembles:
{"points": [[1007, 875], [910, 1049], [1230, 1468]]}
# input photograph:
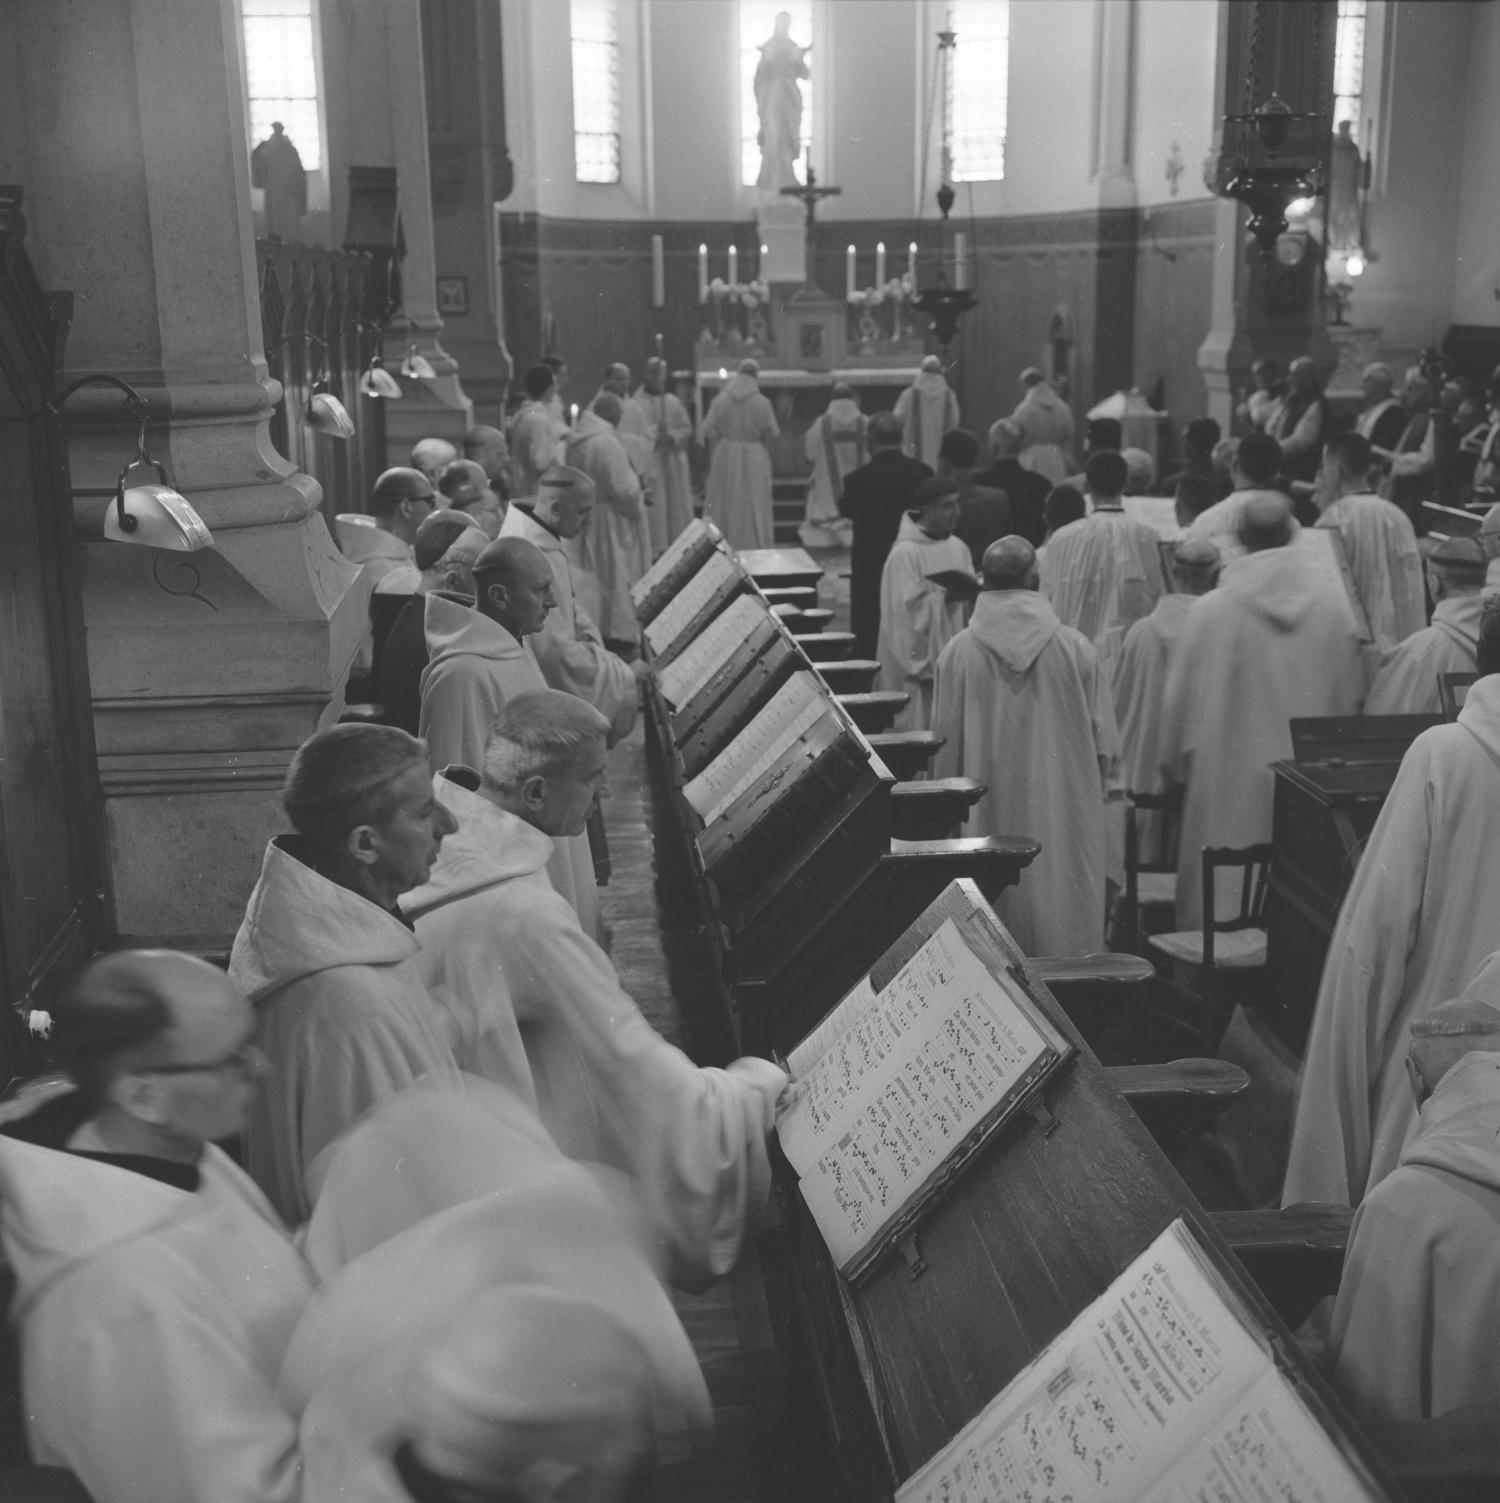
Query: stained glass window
{"points": [[281, 74], [596, 91]]}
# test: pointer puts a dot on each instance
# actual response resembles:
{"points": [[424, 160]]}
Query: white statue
{"points": [[779, 100]]}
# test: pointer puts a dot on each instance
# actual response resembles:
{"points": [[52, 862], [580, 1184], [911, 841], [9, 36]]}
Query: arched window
{"points": [[596, 90]]}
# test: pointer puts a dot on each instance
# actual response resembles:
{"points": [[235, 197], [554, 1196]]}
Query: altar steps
{"points": [[788, 507]]}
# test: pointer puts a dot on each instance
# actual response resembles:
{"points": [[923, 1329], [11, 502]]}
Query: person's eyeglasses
{"points": [[246, 1059]]}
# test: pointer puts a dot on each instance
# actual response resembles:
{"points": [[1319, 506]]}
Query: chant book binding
{"points": [[1166, 1387], [900, 1087]]}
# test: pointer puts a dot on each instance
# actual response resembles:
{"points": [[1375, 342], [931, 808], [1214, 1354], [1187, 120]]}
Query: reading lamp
{"points": [[377, 381], [323, 411], [153, 515], [417, 367]]}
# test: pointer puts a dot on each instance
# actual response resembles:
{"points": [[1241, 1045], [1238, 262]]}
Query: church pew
{"points": [[849, 675], [1454, 1458], [1095, 989], [1181, 1099], [876, 710], [811, 623], [827, 646], [1294, 1254], [780, 568], [906, 753], [804, 597], [933, 810]]}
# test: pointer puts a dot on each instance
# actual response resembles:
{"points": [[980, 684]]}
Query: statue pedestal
{"points": [[781, 224]]}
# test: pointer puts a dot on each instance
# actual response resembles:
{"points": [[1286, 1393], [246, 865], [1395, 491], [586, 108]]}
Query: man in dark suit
{"points": [[1025, 489], [984, 514], [876, 496]]}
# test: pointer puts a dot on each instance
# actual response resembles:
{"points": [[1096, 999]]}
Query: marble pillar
{"points": [[206, 669]]}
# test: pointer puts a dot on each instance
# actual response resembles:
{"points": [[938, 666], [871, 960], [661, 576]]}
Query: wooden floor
{"points": [[663, 963]]}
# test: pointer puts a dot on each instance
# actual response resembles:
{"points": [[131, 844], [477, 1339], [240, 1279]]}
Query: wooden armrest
{"points": [[850, 675], [1104, 969], [810, 623], [363, 714], [1307, 1228], [1215, 1082], [874, 711], [906, 753], [824, 646], [1454, 1458], [801, 596], [934, 809], [918, 870]]}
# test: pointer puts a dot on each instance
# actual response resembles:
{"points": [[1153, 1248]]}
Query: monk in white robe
{"points": [[535, 1004], [615, 545], [1046, 424], [535, 439], [569, 648], [918, 618], [1418, 919], [1257, 463], [1026, 710], [1407, 681], [1267, 645], [477, 660], [1141, 682], [1417, 1321], [1378, 541], [1103, 574], [926, 410], [738, 432], [327, 960], [657, 416], [836, 443]]}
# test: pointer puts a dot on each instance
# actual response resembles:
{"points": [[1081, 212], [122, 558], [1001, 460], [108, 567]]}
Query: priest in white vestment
{"points": [[926, 410], [327, 958], [1141, 681], [1269, 644], [569, 648], [1025, 709], [1103, 573], [1416, 923], [655, 414], [477, 660], [1407, 680], [738, 432], [156, 1290], [1378, 541], [536, 442], [616, 545], [835, 444], [1257, 464], [1417, 1321], [1046, 424], [535, 1004]]}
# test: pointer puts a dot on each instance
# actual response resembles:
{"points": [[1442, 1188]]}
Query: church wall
{"points": [[1476, 291], [1174, 97], [1174, 302]]}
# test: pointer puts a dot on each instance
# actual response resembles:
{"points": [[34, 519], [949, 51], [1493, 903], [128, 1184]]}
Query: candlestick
{"points": [[880, 263], [734, 266], [961, 261], [702, 273], [849, 274], [658, 274]]}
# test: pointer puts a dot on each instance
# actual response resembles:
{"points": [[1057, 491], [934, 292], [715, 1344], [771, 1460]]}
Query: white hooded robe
{"points": [[1419, 917], [1385, 564], [1407, 680], [835, 444], [739, 428], [663, 421], [927, 409], [1026, 710], [616, 549]]}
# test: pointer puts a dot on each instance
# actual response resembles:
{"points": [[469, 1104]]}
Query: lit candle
{"points": [[734, 266], [702, 273], [960, 261], [880, 263], [849, 273], [911, 262], [760, 270], [658, 274]]}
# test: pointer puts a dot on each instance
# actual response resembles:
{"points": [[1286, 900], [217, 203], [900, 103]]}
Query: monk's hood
{"points": [[1459, 615], [742, 387], [910, 532], [844, 411], [1459, 1129], [1277, 584], [299, 923], [1171, 615], [520, 523], [360, 541], [590, 425], [931, 383], [1480, 715], [455, 630], [490, 846], [1015, 625]]}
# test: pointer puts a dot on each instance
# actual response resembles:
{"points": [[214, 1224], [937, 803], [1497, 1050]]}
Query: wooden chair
{"points": [[1150, 884], [1453, 689], [1223, 947]]}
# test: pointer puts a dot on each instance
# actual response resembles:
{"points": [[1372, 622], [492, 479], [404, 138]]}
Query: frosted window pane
{"points": [[1349, 65], [281, 74], [757, 26], [981, 81], [596, 91]]}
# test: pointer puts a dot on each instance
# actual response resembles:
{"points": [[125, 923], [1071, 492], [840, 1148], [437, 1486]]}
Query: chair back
{"points": [[1160, 853], [1254, 863], [1453, 689]]}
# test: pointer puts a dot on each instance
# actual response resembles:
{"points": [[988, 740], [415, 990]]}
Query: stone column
{"points": [[207, 669], [1114, 180]]}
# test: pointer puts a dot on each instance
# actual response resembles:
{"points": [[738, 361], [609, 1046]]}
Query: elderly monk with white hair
{"points": [[1378, 541], [1046, 424], [1268, 644], [1418, 919], [739, 431], [432, 456], [1140, 682], [1025, 708], [478, 659], [926, 410], [327, 957], [1417, 1321], [1382, 418], [536, 1006], [1407, 680], [569, 647]]}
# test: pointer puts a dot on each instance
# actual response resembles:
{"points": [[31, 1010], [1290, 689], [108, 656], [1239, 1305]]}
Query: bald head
{"points": [[1266, 522], [1442, 1038], [430, 455], [513, 586], [1010, 564], [1195, 567], [749, 367], [1006, 438], [564, 500], [654, 375], [1456, 567], [609, 407], [617, 379]]}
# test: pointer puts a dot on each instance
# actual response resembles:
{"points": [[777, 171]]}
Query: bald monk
{"points": [[1104, 574], [1416, 922], [1025, 708], [477, 661], [926, 410], [1269, 644], [1416, 1325], [1407, 680], [1141, 679]]}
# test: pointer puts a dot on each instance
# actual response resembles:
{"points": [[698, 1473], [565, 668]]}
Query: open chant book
{"points": [[682, 609], [791, 711], [695, 538], [691, 669], [1164, 1388], [897, 1089]]}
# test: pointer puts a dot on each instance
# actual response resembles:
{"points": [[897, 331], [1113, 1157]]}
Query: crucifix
{"points": [[810, 193]]}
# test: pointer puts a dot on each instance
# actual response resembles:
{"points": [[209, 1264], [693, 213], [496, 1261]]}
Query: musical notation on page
{"points": [[678, 613], [678, 549], [687, 673]]}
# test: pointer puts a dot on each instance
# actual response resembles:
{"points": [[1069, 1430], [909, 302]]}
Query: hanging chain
{"points": [[1252, 72], [927, 139]]}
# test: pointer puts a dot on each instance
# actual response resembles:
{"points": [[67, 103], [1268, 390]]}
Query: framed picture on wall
{"points": [[453, 296]]}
